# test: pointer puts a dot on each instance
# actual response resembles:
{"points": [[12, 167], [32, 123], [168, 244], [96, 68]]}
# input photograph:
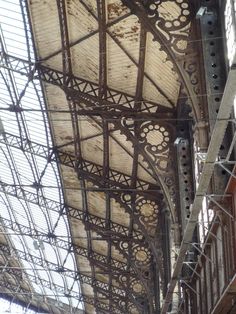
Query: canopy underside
{"points": [[114, 76]]}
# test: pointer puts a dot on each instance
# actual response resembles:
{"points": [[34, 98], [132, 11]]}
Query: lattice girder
{"points": [[112, 97]]}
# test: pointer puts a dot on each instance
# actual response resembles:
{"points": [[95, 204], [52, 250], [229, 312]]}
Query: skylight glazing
{"points": [[8, 307], [39, 236], [230, 29]]}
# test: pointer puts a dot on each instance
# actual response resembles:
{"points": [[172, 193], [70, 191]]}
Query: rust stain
{"points": [[70, 138], [135, 28], [126, 31], [114, 10]]}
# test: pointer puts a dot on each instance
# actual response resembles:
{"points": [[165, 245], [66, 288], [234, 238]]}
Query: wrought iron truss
{"points": [[101, 240]]}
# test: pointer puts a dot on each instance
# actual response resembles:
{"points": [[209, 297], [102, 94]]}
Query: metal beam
{"points": [[141, 10], [89, 101], [97, 259], [40, 299], [95, 172], [58, 290], [117, 267], [78, 88], [8, 288], [54, 267], [215, 77], [126, 52], [84, 170], [97, 223], [205, 178], [117, 180], [20, 274]]}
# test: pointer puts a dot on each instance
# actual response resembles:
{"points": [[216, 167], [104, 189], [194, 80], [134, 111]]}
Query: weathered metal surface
{"points": [[215, 73], [112, 99]]}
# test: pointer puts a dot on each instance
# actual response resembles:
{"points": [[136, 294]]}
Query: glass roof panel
{"points": [[38, 234], [8, 307]]}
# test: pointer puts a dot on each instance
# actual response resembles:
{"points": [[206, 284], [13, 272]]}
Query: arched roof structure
{"points": [[101, 95]]}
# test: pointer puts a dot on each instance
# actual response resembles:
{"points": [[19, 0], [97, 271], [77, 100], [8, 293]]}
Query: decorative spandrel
{"points": [[114, 142], [148, 211], [170, 15], [171, 18], [155, 139], [174, 26]]}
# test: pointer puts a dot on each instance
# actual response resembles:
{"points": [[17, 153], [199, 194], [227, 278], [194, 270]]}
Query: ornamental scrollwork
{"points": [[148, 210], [137, 287], [158, 10], [156, 139], [172, 18], [145, 208], [141, 256]]}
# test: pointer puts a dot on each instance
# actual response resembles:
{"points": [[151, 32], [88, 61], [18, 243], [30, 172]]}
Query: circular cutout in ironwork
{"points": [[155, 137], [148, 209], [142, 256]]}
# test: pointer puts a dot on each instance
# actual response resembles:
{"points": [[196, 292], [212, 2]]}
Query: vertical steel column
{"points": [[215, 76], [165, 230], [184, 176]]}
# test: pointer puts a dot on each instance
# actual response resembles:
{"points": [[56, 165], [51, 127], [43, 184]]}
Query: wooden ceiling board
{"points": [[80, 21], [89, 127], [121, 71], [160, 85], [126, 33], [92, 149], [99, 246], [161, 72], [56, 99], [118, 214], [79, 233], [119, 159], [90, 309], [74, 198], [70, 179], [85, 58], [117, 256], [45, 17], [84, 265], [121, 139], [115, 9], [55, 62], [97, 203], [143, 171]]}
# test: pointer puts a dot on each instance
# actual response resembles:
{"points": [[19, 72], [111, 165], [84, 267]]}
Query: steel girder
{"points": [[214, 53], [83, 167], [29, 69], [130, 135], [92, 172], [102, 286], [87, 92], [18, 289], [117, 180], [187, 67], [117, 233], [97, 223], [119, 183], [21, 275], [91, 221], [78, 88], [29, 298], [89, 96], [13, 290], [117, 268]]}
